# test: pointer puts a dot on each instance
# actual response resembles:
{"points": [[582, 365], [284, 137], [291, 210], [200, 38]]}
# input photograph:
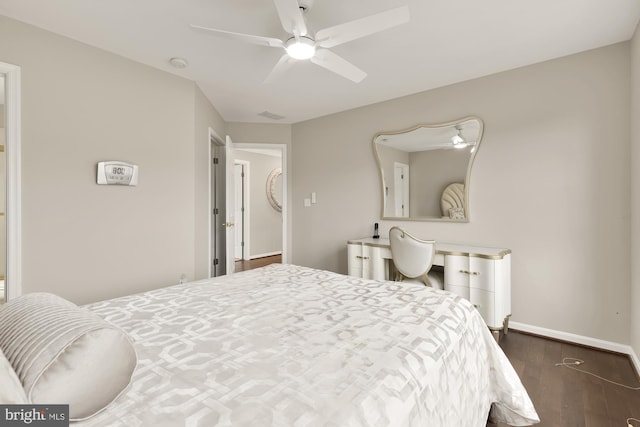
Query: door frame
{"points": [[13, 212]]}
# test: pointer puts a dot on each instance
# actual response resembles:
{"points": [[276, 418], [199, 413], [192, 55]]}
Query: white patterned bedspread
{"points": [[291, 346]]}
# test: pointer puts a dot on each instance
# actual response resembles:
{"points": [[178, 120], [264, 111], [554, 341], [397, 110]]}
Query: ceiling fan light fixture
{"points": [[301, 48], [457, 140]]}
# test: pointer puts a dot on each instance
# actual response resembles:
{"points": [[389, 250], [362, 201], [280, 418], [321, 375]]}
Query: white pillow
{"points": [[456, 213], [11, 391], [64, 354]]}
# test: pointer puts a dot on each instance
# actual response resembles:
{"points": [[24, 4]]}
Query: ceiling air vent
{"points": [[271, 116]]}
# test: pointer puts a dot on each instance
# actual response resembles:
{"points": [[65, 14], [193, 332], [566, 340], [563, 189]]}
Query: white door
{"points": [[401, 187], [239, 228], [10, 78], [217, 203], [230, 211]]}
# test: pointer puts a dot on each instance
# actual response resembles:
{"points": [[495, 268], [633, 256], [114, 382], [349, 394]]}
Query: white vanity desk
{"points": [[481, 275]]}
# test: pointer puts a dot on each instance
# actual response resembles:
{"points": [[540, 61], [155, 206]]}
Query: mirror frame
{"points": [[467, 180]]}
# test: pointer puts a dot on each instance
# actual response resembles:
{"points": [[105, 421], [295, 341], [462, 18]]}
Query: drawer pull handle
{"points": [[362, 257], [473, 273]]}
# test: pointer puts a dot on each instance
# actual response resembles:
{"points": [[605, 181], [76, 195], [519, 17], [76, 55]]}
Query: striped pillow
{"points": [[11, 391], [65, 354]]}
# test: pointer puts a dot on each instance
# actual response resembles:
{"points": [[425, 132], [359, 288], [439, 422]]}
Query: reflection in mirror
{"points": [[425, 170], [274, 189]]}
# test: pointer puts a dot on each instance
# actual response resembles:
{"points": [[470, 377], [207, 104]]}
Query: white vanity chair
{"points": [[413, 258]]}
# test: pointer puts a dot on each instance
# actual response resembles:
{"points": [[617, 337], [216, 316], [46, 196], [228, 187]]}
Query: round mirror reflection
{"points": [[274, 189]]}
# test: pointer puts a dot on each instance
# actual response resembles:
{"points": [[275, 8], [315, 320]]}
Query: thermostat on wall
{"points": [[118, 173]]}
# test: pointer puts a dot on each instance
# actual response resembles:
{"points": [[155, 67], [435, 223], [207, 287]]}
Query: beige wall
{"points": [[81, 105], [635, 186], [551, 181]]}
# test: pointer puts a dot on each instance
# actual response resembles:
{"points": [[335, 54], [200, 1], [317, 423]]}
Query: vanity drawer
{"points": [[462, 291], [354, 260], [366, 262], [470, 271], [485, 303]]}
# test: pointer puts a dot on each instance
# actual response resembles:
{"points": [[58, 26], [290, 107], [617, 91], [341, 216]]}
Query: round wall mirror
{"points": [[274, 189]]}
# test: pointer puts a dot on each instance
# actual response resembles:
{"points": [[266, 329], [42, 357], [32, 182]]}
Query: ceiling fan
{"points": [[302, 46]]}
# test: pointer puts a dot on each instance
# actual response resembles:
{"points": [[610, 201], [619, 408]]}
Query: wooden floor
{"points": [[242, 265], [564, 397]]}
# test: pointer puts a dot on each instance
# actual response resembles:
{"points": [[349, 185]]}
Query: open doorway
{"points": [[259, 228], [261, 191]]}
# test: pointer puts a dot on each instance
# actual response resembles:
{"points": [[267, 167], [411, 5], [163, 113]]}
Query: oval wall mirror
{"points": [[425, 170], [274, 189]]}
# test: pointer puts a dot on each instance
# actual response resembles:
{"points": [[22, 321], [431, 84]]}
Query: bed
{"points": [[285, 345]]}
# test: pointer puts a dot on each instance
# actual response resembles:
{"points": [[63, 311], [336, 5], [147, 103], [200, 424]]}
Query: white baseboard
{"points": [[635, 360], [580, 339], [265, 255]]}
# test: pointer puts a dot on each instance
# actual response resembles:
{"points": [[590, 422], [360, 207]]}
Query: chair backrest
{"points": [[411, 256]]}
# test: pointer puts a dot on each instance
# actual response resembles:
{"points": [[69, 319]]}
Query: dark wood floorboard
{"points": [[567, 398], [243, 265]]}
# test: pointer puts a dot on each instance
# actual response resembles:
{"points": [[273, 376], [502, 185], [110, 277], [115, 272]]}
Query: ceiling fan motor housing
{"points": [[305, 5]]}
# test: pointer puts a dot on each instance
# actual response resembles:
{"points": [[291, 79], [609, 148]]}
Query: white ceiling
{"points": [[446, 41]]}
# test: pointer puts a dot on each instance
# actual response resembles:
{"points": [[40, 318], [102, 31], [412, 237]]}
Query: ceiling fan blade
{"points": [[332, 62], [333, 36], [280, 68], [263, 41], [291, 17]]}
